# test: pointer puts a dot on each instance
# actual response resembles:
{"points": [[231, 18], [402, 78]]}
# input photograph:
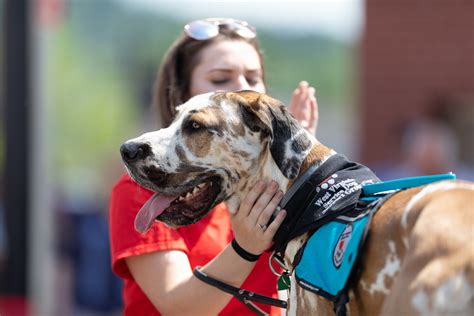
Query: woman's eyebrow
{"points": [[221, 70], [258, 71], [231, 70]]}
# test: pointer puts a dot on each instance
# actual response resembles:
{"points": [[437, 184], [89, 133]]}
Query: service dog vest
{"points": [[335, 203]]}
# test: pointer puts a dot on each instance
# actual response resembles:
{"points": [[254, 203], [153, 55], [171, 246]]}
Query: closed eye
{"points": [[220, 82]]}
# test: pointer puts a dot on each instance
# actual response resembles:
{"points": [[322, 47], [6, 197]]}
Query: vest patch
{"points": [[341, 245]]}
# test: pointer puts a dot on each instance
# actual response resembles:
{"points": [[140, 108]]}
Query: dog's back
{"points": [[436, 276], [420, 253]]}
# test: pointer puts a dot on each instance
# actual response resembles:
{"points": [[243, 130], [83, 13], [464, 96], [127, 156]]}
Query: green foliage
{"points": [[324, 63], [91, 107]]}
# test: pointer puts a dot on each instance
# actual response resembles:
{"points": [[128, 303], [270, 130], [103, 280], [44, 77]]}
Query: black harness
{"points": [[328, 194], [324, 192]]}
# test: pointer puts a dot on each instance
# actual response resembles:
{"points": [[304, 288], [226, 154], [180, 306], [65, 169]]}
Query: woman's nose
{"points": [[241, 84]]}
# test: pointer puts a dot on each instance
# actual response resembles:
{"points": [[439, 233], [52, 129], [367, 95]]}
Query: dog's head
{"points": [[219, 145]]}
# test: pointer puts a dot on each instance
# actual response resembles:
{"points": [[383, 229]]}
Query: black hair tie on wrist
{"points": [[244, 254]]}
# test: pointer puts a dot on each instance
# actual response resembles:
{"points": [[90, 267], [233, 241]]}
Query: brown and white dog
{"points": [[418, 259]]}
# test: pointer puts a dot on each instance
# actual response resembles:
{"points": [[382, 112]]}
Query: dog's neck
{"points": [[318, 154]]}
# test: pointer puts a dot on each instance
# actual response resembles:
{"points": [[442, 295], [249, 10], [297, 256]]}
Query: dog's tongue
{"points": [[150, 210]]}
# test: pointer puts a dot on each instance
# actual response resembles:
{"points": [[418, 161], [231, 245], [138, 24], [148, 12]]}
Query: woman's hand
{"points": [[304, 107], [171, 286], [250, 223]]}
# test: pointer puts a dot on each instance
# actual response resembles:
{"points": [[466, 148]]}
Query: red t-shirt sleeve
{"points": [[126, 199]]}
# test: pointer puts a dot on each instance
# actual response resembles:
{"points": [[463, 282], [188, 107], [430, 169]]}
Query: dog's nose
{"points": [[132, 152]]}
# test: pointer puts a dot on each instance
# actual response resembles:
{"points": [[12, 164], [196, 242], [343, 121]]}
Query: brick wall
{"points": [[415, 55]]}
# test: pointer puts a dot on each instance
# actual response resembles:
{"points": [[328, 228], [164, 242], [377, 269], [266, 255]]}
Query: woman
{"points": [[212, 54]]}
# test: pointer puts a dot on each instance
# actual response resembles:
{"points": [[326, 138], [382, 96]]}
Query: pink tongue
{"points": [[150, 210]]}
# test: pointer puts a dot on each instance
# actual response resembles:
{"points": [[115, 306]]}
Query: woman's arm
{"points": [[304, 106], [167, 280], [166, 276]]}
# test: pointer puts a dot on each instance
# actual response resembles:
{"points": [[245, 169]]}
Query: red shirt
{"points": [[201, 242]]}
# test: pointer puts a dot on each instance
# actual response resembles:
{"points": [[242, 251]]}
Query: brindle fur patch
{"points": [[318, 153], [237, 130], [199, 143], [181, 155], [212, 121]]}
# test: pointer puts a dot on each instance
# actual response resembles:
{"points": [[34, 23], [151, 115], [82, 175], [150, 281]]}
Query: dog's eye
{"points": [[193, 126]]}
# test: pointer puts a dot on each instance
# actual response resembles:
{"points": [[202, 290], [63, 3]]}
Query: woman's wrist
{"points": [[244, 254]]}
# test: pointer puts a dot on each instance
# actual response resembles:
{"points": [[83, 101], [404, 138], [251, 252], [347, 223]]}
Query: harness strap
{"points": [[242, 295], [340, 304]]}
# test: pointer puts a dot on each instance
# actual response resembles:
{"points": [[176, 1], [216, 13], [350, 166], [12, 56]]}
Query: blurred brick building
{"points": [[416, 59]]}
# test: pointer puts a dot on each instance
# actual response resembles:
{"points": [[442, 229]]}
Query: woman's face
{"points": [[229, 66]]}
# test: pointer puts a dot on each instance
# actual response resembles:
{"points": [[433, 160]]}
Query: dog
{"points": [[418, 259]]}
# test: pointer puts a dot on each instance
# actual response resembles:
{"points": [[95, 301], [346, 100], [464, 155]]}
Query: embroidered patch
{"points": [[333, 190], [341, 245]]}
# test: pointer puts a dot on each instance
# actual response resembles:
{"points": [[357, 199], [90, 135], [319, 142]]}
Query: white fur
{"points": [[453, 295], [420, 302], [292, 297], [451, 298], [391, 268], [443, 185]]}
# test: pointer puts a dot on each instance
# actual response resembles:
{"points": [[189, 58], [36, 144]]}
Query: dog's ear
{"points": [[289, 141], [253, 112]]}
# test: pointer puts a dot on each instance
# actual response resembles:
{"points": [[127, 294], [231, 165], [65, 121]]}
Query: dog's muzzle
{"points": [[135, 156], [133, 151]]}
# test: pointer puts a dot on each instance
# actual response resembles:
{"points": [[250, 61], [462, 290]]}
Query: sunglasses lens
{"points": [[244, 31], [201, 30], [206, 29]]}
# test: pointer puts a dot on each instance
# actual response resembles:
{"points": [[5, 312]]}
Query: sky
{"points": [[341, 19]]}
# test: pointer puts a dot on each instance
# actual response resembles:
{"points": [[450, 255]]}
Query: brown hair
{"points": [[173, 81]]}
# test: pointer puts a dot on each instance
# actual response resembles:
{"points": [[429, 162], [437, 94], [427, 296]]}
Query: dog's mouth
{"points": [[179, 210]]}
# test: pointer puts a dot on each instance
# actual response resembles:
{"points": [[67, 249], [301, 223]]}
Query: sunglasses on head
{"points": [[206, 29]]}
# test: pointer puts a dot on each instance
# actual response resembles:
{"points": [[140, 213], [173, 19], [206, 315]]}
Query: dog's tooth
{"points": [[189, 194], [181, 199]]}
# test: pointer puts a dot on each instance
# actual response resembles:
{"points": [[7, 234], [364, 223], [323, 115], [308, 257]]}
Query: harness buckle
{"points": [[277, 257]]}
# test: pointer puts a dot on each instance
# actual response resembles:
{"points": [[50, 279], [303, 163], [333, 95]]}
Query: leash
{"points": [[246, 297]]}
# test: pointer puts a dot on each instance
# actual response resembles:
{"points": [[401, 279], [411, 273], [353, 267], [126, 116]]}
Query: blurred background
{"points": [[395, 88]]}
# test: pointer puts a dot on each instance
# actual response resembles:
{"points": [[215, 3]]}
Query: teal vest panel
{"points": [[329, 255]]}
